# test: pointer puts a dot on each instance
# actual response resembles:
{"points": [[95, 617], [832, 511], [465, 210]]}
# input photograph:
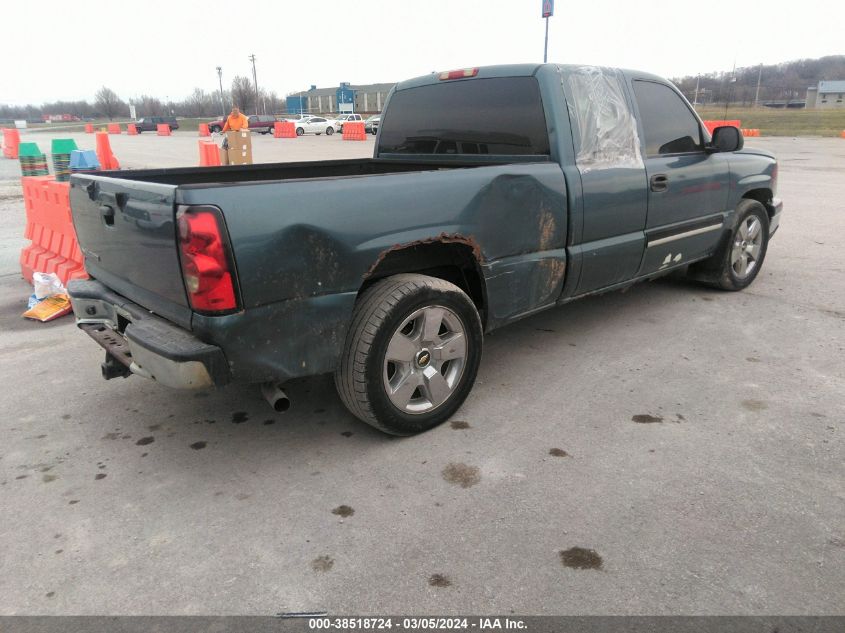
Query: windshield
{"points": [[501, 116]]}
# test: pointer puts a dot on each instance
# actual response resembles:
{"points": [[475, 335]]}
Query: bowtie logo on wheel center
{"points": [[423, 358]]}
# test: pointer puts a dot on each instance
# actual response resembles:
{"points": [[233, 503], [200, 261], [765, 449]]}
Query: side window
{"points": [[668, 124]]}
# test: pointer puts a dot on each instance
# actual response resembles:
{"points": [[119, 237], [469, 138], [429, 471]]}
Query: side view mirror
{"points": [[726, 139]]}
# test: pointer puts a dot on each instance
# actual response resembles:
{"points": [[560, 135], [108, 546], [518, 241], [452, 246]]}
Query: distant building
{"points": [[345, 98], [828, 94]]}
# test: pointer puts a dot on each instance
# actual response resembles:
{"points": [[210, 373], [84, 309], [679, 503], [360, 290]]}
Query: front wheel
{"points": [[329, 131], [411, 354], [300, 131], [737, 263]]}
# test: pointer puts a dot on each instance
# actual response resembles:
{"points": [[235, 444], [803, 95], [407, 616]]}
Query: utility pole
{"points": [[220, 79], [548, 11], [757, 94], [695, 98], [255, 81], [731, 82]]}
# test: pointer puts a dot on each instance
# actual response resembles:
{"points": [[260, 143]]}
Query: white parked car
{"points": [[315, 125], [343, 118]]}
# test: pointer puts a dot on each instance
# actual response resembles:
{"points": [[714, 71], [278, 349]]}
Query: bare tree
{"points": [[275, 105], [199, 104], [108, 103], [243, 93], [149, 106]]}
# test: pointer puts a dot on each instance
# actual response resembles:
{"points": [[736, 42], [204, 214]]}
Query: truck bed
{"points": [[125, 219]]}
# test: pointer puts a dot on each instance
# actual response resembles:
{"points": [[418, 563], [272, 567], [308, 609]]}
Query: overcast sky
{"points": [[67, 50]]}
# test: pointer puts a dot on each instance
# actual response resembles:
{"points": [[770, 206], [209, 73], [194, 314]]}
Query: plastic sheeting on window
{"points": [[606, 124]]}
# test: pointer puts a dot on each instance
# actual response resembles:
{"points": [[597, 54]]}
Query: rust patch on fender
{"points": [[443, 238]]}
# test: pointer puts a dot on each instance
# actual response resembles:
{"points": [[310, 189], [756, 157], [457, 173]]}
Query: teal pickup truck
{"points": [[493, 193]]}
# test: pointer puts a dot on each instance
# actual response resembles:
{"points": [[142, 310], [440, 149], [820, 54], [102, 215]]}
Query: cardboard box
{"points": [[240, 148]]}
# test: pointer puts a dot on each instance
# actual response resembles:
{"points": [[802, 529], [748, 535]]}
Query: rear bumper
{"points": [[145, 343], [775, 209]]}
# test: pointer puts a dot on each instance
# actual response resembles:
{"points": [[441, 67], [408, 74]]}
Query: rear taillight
{"points": [[458, 74], [207, 265]]}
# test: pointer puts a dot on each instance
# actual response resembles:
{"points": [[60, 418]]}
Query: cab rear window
{"points": [[499, 116]]}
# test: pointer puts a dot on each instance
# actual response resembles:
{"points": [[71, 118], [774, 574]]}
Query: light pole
{"points": [[220, 79], [255, 81], [695, 98]]}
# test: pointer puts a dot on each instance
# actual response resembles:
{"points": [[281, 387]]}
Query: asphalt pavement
{"points": [[671, 449]]}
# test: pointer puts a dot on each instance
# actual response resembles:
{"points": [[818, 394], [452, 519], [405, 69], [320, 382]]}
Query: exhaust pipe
{"points": [[277, 398]]}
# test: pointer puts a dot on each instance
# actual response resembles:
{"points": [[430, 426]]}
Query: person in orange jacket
{"points": [[236, 121]]}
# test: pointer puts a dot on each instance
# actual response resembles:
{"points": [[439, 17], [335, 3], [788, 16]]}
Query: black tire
{"points": [[329, 131], [300, 131], [380, 311], [718, 271]]}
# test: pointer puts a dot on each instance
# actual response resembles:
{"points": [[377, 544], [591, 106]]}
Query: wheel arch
{"points": [[452, 259], [764, 196]]}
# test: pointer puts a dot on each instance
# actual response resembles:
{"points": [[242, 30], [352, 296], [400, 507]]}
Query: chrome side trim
{"points": [[680, 236]]}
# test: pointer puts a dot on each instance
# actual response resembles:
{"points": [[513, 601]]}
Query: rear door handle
{"points": [[659, 182]]}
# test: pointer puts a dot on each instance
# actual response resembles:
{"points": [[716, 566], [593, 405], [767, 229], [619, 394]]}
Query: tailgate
{"points": [[127, 233]]}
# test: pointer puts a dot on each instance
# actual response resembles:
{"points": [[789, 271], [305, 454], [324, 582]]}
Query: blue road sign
{"points": [[548, 8]]}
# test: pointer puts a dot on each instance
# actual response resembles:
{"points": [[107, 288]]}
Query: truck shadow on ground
{"points": [[239, 417]]}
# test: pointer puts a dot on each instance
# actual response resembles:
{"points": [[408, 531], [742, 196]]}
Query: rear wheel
{"points": [[411, 354]]}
